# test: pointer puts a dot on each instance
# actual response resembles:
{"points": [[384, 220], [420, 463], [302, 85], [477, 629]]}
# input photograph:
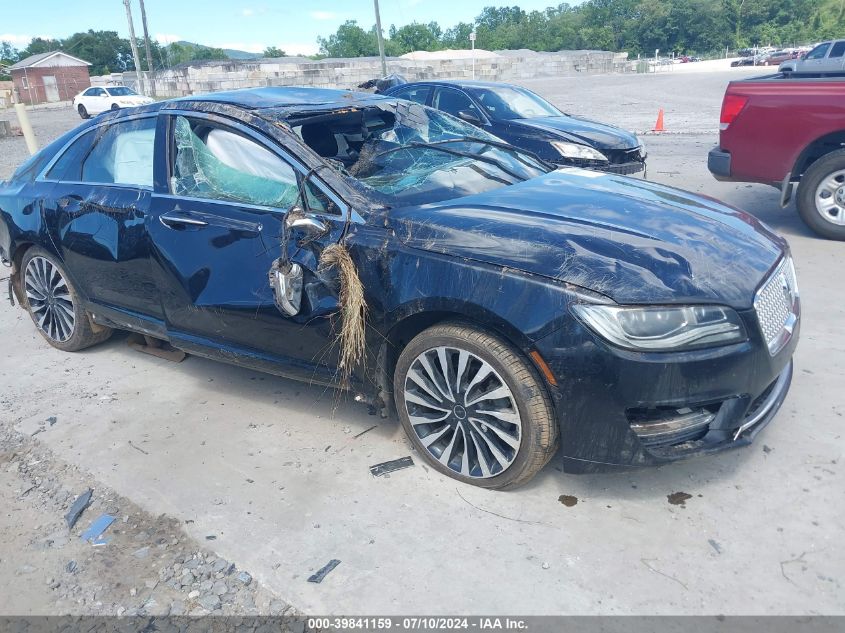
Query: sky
{"points": [[249, 25]]}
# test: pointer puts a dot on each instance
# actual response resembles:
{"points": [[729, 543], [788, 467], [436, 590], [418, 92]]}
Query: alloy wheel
{"points": [[49, 299], [463, 412], [830, 198]]}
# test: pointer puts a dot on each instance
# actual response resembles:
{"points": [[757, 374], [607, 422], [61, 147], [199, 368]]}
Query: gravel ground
{"points": [[149, 566]]}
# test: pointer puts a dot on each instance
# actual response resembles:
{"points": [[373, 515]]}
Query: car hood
{"points": [[631, 240], [583, 131]]}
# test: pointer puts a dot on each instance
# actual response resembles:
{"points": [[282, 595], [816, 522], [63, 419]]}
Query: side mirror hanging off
{"points": [[286, 281]]}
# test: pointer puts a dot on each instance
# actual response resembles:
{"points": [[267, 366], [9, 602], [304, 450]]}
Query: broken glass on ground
{"points": [[78, 508], [385, 468], [94, 533], [324, 571]]}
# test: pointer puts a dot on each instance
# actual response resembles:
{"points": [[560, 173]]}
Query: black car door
{"points": [[97, 215], [217, 231]]}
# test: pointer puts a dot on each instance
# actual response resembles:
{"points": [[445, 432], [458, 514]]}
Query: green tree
{"points": [[8, 56], [416, 37], [457, 36], [104, 50], [350, 40], [40, 45], [273, 51], [186, 52]]}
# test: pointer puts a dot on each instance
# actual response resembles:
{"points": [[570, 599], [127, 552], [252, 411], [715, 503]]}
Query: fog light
{"points": [[661, 427]]}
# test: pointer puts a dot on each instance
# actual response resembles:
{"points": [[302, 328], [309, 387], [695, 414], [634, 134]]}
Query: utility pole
{"points": [[151, 75], [472, 37], [380, 41], [134, 46]]}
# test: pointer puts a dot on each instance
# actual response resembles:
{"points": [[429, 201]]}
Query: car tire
{"points": [[824, 181], [506, 442], [114, 106], [83, 113], [55, 305]]}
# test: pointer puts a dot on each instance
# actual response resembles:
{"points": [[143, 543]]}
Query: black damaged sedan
{"points": [[501, 307]]}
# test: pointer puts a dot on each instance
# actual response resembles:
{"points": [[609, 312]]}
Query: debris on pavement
{"points": [[568, 500], [679, 498], [149, 553], [715, 546], [374, 426], [325, 571], [78, 507], [138, 448], [95, 531], [155, 347], [388, 467]]}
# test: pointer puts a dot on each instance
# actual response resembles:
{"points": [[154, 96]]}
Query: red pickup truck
{"points": [[786, 132]]}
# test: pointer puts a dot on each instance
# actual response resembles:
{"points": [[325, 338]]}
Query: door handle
{"points": [[180, 220]]}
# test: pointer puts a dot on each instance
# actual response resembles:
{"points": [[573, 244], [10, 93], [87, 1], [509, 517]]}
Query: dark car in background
{"points": [[500, 306], [528, 121]]}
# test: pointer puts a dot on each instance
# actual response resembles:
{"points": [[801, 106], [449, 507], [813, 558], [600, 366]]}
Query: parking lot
{"points": [[277, 472]]}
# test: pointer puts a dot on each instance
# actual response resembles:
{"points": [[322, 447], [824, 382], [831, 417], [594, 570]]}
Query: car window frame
{"points": [[826, 45], [485, 119], [42, 176], [833, 46], [300, 170], [431, 90]]}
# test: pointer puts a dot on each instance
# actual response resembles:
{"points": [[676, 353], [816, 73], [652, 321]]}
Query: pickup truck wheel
{"points": [[54, 304], [821, 196], [473, 407]]}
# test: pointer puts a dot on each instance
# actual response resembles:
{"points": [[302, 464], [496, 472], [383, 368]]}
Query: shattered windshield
{"points": [[408, 154], [121, 91], [508, 103]]}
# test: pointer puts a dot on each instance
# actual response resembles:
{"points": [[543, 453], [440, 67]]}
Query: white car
{"points": [[95, 100]]}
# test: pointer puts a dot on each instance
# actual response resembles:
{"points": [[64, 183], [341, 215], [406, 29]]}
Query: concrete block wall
{"points": [[349, 73]]}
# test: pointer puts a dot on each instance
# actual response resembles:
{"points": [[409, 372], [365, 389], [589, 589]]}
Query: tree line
{"points": [[637, 26], [109, 53]]}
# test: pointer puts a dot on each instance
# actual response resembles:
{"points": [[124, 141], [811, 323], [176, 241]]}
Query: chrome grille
{"points": [[777, 306]]}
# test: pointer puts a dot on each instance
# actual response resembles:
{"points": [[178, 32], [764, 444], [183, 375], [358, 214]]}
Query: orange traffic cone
{"points": [[658, 127]]}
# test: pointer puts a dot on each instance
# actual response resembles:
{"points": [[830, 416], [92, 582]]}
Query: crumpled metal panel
{"points": [[631, 240]]}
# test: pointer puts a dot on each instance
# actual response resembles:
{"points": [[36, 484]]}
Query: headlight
{"points": [[663, 329], [573, 150]]}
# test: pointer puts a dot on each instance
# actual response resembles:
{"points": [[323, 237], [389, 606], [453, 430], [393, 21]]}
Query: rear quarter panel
{"points": [[781, 119], [21, 218]]}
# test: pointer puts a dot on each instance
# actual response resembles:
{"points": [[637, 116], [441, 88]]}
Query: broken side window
{"points": [[217, 163]]}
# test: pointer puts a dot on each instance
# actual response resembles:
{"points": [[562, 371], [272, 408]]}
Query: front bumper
{"points": [[625, 162], [605, 392], [719, 163]]}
